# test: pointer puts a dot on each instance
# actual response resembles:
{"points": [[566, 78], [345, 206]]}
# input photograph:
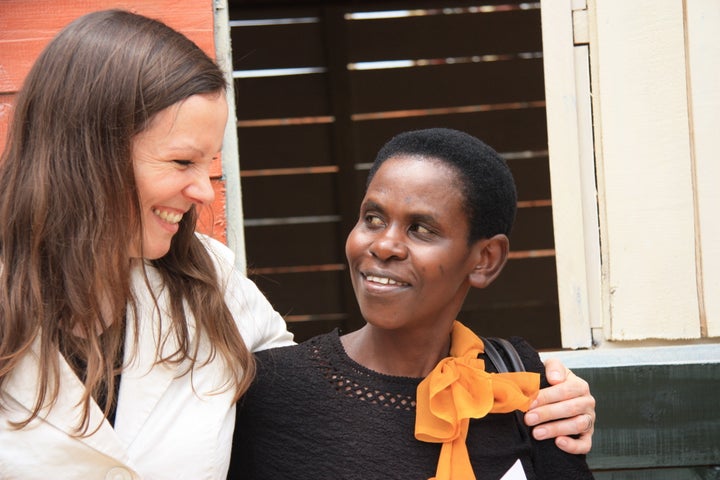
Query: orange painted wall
{"points": [[27, 26]]}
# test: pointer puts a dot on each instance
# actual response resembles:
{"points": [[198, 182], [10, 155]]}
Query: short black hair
{"points": [[486, 181]]}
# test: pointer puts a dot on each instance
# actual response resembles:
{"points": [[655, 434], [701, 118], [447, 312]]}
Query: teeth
{"points": [[169, 217], [383, 280]]}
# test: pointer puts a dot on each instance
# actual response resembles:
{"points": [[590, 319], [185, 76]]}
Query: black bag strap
{"points": [[493, 354], [501, 366]]}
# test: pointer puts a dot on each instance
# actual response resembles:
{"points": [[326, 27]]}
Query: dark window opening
{"points": [[320, 86]]}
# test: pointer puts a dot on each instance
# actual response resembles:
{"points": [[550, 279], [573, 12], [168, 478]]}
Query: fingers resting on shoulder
{"points": [[564, 411]]}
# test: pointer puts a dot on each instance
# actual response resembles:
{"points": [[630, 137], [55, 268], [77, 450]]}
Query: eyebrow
{"points": [[414, 217], [186, 146], [423, 218], [371, 205]]}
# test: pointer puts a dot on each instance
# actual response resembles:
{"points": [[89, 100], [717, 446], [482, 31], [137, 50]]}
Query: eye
{"points": [[421, 229], [373, 220], [183, 163]]}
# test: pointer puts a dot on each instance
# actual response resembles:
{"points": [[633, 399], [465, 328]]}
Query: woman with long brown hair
{"points": [[101, 271]]}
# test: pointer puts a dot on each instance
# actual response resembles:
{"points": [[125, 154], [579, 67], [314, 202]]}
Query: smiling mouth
{"points": [[169, 217], [384, 280]]}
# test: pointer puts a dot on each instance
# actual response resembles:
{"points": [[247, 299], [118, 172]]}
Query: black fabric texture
{"points": [[314, 413]]}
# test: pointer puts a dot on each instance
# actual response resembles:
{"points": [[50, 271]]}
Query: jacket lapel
{"points": [[144, 381], [66, 413]]}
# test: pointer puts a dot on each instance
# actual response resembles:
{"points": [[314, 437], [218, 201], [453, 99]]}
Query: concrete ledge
{"points": [[626, 357]]}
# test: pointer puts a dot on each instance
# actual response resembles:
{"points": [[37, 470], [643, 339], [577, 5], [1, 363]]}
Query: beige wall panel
{"points": [[565, 172], [647, 197], [703, 25]]}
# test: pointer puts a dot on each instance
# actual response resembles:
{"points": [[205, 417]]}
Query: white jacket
{"points": [[167, 425]]}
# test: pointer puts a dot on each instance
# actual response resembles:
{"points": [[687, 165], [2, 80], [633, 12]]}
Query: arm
{"points": [[565, 408]]}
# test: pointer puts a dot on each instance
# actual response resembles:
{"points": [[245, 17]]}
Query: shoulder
{"points": [[259, 323], [218, 251], [315, 347], [272, 358], [294, 371], [222, 257], [296, 360], [529, 356], [232, 281]]}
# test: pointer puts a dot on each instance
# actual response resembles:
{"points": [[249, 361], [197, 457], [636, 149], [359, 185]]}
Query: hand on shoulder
{"points": [[564, 411]]}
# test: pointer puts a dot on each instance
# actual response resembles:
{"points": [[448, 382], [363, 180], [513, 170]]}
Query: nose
{"points": [[201, 190], [389, 244]]}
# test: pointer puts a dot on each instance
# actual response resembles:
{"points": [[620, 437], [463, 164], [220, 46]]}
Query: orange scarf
{"points": [[459, 389]]}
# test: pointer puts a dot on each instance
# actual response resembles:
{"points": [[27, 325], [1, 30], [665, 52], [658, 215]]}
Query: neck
{"points": [[397, 352]]}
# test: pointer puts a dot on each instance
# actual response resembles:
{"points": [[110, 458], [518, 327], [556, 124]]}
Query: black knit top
{"points": [[313, 413]]}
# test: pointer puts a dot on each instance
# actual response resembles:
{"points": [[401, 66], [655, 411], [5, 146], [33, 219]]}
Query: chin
{"points": [[155, 252], [382, 320]]}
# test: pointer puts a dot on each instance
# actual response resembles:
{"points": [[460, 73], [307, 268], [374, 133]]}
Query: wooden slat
{"points": [[518, 284], [509, 130], [443, 36], [308, 244], [300, 146], [645, 172], [289, 196], [447, 85], [277, 46], [26, 27], [253, 10], [281, 97], [533, 229], [532, 178], [240, 6], [303, 293]]}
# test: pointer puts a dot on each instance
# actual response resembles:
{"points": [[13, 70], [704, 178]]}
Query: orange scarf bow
{"points": [[459, 389]]}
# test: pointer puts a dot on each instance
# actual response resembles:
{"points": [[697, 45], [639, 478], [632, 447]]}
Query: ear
{"points": [[490, 257]]}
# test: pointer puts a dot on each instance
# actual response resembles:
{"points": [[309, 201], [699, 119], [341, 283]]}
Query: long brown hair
{"points": [[68, 200]]}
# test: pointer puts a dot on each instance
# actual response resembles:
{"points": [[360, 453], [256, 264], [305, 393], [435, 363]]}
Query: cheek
{"points": [[353, 244], [141, 191], [144, 199], [349, 248], [142, 184]]}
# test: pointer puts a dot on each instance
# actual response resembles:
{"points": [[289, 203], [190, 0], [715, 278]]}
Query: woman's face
{"points": [[408, 253], [171, 161]]}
